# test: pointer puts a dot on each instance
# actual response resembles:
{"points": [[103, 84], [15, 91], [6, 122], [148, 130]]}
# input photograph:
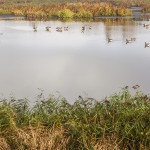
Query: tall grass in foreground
{"points": [[120, 122]]}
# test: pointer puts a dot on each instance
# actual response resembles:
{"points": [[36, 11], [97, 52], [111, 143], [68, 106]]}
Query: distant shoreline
{"points": [[66, 10], [101, 10]]}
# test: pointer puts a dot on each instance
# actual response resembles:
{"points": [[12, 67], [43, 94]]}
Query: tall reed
{"points": [[119, 122]]}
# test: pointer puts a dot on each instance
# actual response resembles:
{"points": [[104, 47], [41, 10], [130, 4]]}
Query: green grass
{"points": [[121, 121]]}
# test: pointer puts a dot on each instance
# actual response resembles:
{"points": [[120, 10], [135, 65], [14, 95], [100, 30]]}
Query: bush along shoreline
{"points": [[119, 122], [65, 10]]}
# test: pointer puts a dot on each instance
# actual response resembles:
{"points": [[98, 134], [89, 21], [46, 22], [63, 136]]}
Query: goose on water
{"points": [[133, 39], [65, 28], [90, 27], [83, 28], [110, 40], [35, 28], [146, 25], [48, 28], [147, 44], [128, 41], [59, 29]]}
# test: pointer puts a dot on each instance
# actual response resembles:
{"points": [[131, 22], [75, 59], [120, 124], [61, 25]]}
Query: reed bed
{"points": [[119, 122], [65, 10], [144, 4]]}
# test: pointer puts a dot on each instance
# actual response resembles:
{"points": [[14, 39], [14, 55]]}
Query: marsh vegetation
{"points": [[119, 122], [71, 9], [65, 10]]}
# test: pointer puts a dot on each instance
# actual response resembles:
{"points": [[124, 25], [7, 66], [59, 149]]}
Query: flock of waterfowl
{"points": [[60, 29], [85, 27], [127, 40], [147, 44], [48, 28], [147, 26]]}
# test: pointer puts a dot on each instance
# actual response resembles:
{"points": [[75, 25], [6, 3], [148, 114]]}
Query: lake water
{"points": [[71, 62]]}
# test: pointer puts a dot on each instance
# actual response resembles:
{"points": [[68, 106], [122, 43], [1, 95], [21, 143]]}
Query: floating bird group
{"points": [[147, 44], [66, 28], [85, 27], [127, 40], [130, 40], [48, 28], [60, 29]]}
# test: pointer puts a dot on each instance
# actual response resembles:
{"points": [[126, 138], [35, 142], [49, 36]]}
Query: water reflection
{"points": [[73, 62]]}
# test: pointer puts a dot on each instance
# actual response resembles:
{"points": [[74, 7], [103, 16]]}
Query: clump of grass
{"points": [[119, 122], [66, 13]]}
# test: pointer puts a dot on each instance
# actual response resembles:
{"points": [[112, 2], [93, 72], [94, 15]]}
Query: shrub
{"points": [[66, 13]]}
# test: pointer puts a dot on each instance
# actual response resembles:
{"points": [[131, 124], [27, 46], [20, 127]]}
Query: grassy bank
{"points": [[65, 10], [145, 4], [120, 122]]}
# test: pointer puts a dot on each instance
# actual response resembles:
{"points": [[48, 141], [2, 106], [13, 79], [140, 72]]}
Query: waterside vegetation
{"points": [[65, 10], [120, 122]]}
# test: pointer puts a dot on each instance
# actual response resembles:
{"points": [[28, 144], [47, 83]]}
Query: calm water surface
{"points": [[71, 62]]}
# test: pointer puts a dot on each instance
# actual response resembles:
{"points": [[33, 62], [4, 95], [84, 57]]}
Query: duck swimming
{"points": [[133, 39], [48, 28], [128, 41], [35, 28], [65, 28], [147, 44], [110, 40], [146, 25]]}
